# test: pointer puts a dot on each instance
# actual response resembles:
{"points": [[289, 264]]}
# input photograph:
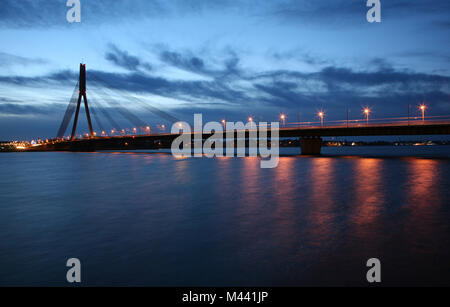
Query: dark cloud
{"points": [[190, 63], [353, 12], [331, 87], [7, 59], [20, 109], [125, 60], [52, 13], [62, 77]]}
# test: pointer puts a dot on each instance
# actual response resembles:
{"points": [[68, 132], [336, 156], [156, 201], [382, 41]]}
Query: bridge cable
{"points": [[133, 119], [152, 109], [94, 112], [105, 112], [69, 113]]}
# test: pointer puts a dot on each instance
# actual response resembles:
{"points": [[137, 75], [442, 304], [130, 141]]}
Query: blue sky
{"points": [[226, 59]]}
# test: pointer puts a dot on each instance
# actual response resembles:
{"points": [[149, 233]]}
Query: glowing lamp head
{"points": [[283, 116], [423, 107], [320, 114], [366, 111], [250, 119]]}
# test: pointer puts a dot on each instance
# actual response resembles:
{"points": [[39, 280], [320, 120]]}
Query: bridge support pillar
{"points": [[311, 145]]}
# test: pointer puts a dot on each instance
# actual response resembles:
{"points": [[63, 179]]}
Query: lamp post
{"points": [[321, 115], [367, 112], [283, 118], [423, 107]]}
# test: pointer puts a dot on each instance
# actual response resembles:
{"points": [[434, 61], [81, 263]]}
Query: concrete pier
{"points": [[311, 145]]}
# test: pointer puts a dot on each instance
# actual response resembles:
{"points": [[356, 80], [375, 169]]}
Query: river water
{"points": [[142, 218]]}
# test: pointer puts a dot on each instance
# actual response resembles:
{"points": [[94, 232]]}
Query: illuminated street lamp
{"points": [[422, 108], [321, 115], [224, 122], [367, 112], [283, 118], [250, 119]]}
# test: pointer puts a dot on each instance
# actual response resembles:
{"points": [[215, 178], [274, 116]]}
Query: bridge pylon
{"points": [[82, 94]]}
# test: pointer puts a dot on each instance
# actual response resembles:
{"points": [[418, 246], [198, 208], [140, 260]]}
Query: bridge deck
{"points": [[160, 140]]}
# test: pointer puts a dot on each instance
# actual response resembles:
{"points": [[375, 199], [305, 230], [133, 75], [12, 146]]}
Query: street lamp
{"points": [[367, 112], [283, 118], [224, 122], [321, 115], [250, 119], [423, 107]]}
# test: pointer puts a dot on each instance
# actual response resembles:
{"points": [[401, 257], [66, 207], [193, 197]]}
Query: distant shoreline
{"points": [[11, 147]]}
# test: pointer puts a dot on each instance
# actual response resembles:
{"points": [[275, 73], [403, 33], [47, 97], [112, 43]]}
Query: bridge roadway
{"points": [[310, 137]]}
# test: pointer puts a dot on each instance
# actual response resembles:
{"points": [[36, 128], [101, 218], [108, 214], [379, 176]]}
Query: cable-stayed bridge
{"points": [[144, 136]]}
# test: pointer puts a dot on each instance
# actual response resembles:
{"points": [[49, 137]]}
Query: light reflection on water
{"points": [[150, 219]]}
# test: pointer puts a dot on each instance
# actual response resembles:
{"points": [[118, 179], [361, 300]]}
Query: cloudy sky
{"points": [[224, 58]]}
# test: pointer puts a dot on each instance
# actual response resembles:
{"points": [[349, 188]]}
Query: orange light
{"points": [[423, 107], [250, 119], [366, 110], [320, 114], [282, 116]]}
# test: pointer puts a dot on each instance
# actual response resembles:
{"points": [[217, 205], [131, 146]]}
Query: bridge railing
{"points": [[394, 121]]}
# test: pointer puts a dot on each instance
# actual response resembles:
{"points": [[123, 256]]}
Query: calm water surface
{"points": [[150, 219]]}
